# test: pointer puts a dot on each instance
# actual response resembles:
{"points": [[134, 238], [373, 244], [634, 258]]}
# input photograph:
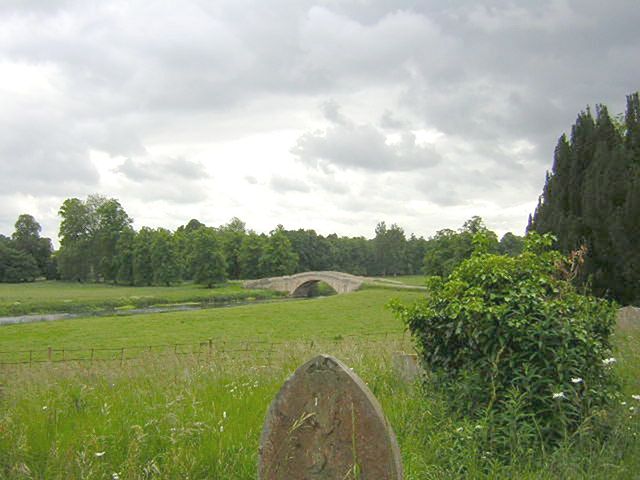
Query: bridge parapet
{"points": [[300, 282]]}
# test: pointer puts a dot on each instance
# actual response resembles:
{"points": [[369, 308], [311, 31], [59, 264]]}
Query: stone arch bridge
{"points": [[300, 284]]}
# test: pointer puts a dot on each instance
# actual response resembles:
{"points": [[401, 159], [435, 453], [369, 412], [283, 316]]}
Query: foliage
{"points": [[164, 261], [447, 248], [142, 265], [511, 341], [278, 257], [16, 266], [208, 260], [389, 247], [592, 197], [249, 255]]}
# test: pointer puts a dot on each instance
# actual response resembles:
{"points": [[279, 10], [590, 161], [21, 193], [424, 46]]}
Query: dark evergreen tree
{"points": [[591, 198]]}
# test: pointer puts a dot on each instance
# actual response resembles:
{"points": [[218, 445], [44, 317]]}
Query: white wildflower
{"points": [[559, 395], [636, 397], [115, 476], [224, 415], [459, 429], [609, 361], [576, 380], [45, 407], [623, 403], [221, 428], [100, 454]]}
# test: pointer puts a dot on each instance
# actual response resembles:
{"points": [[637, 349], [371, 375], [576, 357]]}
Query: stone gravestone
{"points": [[406, 366], [326, 424], [628, 318]]}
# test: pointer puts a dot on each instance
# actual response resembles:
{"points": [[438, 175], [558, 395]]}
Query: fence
{"points": [[264, 349]]}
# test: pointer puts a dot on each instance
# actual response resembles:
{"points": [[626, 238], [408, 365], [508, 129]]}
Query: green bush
{"points": [[512, 343]]}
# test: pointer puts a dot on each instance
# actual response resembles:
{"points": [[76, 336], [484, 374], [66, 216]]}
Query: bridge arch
{"points": [[300, 283]]}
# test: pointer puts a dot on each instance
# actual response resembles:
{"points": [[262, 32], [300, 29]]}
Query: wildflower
{"points": [[623, 403], [459, 429], [115, 476], [45, 407], [608, 361], [576, 380], [221, 428], [100, 454], [636, 397], [224, 415], [559, 395]]}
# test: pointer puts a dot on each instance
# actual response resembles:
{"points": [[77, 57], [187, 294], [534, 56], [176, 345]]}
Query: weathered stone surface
{"points": [[406, 366], [298, 284], [628, 318], [326, 424]]}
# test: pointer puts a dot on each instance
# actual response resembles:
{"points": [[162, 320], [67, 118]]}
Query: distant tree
{"points": [[278, 257], [231, 235], [251, 251], [26, 238], [123, 259], [78, 258], [447, 248], [314, 251], [16, 265], [112, 221], [389, 249], [164, 258], [209, 264], [142, 265], [415, 251], [511, 244]]}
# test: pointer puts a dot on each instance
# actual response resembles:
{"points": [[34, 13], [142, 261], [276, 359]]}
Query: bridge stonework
{"points": [[298, 285]]}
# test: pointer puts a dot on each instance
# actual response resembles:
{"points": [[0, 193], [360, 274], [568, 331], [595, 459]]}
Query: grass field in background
{"points": [[72, 297], [358, 313]]}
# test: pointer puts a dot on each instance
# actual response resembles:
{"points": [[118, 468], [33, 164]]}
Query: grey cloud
{"points": [[487, 73], [168, 170], [363, 147], [41, 155], [389, 121], [331, 111], [285, 185], [164, 179], [250, 179]]}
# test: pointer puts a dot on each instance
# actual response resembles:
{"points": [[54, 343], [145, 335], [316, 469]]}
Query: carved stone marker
{"points": [[326, 424], [406, 366], [628, 318]]}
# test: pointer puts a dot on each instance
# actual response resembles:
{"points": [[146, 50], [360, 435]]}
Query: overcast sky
{"points": [[330, 115]]}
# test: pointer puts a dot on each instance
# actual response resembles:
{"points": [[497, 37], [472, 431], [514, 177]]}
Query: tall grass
{"points": [[200, 417]]}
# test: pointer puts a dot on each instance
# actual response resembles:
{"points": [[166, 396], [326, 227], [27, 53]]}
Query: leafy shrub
{"points": [[511, 342]]}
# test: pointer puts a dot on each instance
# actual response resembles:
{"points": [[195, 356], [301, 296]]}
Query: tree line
{"points": [[99, 244], [591, 198]]}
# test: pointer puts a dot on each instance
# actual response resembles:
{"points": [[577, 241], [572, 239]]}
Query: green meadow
{"points": [[199, 414], [74, 297]]}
